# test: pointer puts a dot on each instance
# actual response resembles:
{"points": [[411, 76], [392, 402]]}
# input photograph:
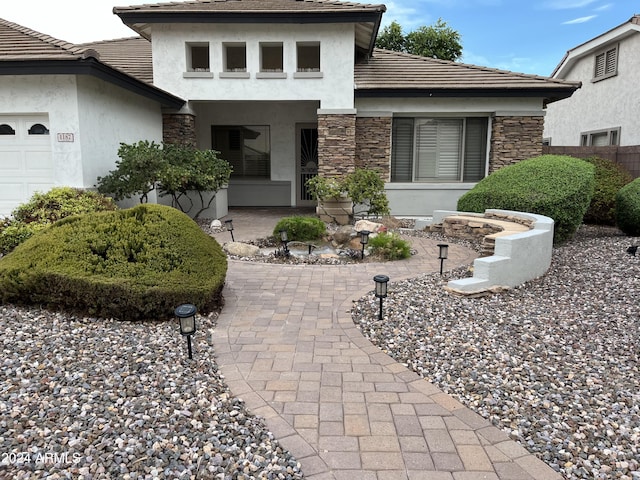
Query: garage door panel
{"points": [[11, 162], [9, 191], [39, 162]]}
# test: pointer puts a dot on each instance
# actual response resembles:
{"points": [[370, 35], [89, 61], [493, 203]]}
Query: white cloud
{"points": [[567, 4], [602, 8], [579, 20]]}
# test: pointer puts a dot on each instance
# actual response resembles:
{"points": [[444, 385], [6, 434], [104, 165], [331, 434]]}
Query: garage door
{"points": [[26, 163]]}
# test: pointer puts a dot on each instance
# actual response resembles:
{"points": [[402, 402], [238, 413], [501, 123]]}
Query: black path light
{"points": [[442, 255], [364, 239], [229, 224], [381, 290], [284, 238], [186, 314]]}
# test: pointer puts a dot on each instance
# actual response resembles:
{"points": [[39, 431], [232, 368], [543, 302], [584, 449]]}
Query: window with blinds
{"points": [[606, 64], [439, 149]]}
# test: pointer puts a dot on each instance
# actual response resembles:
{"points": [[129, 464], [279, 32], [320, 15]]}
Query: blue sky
{"points": [[529, 36]]}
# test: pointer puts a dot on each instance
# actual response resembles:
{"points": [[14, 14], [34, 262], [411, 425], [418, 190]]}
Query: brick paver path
{"points": [[286, 343]]}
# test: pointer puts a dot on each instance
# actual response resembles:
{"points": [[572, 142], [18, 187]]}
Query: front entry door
{"points": [[307, 160]]}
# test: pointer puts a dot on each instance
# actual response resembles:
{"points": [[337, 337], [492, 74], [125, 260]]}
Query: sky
{"points": [[528, 36]]}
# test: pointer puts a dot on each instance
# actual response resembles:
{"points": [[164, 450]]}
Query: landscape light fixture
{"points": [[381, 290], [364, 239], [632, 250], [186, 314], [284, 238], [229, 224], [442, 255]]}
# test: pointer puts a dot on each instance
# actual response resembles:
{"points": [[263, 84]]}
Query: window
{"points": [[271, 57], [198, 57], [439, 149], [235, 57], [6, 129], [308, 56], [600, 138], [246, 148], [606, 64], [38, 129]]}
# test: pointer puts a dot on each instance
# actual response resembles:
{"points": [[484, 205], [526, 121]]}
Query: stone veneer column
{"points": [[336, 143], [515, 138], [373, 144], [179, 129]]}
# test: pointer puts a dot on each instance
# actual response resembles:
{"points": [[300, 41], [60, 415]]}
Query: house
{"points": [[605, 110], [284, 89]]}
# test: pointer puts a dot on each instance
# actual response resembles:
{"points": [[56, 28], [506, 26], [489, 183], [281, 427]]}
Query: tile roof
{"points": [[387, 71], [131, 55], [21, 43]]}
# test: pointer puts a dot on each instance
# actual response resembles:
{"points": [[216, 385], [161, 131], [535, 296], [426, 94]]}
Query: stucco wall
{"points": [[613, 102], [333, 90]]}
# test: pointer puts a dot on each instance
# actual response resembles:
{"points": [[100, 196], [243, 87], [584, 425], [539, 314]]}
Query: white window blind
{"points": [[438, 149]]}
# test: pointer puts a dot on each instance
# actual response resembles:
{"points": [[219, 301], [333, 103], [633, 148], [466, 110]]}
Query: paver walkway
{"points": [[288, 347]]}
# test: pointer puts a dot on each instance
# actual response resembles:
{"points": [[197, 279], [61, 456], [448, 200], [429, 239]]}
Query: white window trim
{"points": [[609, 132]]}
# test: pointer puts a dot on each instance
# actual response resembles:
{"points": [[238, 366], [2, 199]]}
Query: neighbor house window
{"points": [[38, 129], [600, 138], [308, 56], [198, 57], [271, 57], [246, 148], [439, 149], [606, 64], [235, 57]]}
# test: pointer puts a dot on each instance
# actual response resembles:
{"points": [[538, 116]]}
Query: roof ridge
{"points": [[110, 40], [43, 37], [473, 67]]}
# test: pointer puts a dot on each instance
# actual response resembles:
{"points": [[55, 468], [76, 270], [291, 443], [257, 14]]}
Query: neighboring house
{"points": [[284, 89], [604, 111]]}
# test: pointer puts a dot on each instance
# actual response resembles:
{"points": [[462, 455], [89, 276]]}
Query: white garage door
{"points": [[26, 163]]}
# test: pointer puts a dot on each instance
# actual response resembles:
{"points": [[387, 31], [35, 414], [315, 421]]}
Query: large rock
{"points": [[373, 227], [343, 234], [240, 249]]}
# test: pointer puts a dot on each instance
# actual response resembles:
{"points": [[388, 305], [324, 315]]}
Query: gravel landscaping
{"points": [[553, 362]]}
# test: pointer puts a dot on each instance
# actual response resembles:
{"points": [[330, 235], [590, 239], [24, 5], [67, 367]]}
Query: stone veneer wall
{"points": [[373, 144], [514, 139], [336, 144], [179, 129]]}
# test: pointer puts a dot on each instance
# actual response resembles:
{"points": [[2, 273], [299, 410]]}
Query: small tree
{"points": [[391, 38]]}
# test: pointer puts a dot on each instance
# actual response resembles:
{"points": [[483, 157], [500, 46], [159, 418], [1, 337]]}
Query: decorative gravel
{"points": [[554, 362], [87, 398]]}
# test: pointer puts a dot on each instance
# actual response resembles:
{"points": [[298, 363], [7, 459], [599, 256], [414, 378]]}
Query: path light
{"points": [[229, 224], [364, 239], [285, 240], [381, 290], [444, 250], [186, 314], [632, 250]]}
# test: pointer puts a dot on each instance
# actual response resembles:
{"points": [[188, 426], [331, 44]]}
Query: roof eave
{"points": [[91, 67]]}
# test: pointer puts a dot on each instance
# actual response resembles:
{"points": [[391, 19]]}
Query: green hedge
{"points": [[130, 264], [628, 208], [301, 229], [610, 177], [558, 187]]}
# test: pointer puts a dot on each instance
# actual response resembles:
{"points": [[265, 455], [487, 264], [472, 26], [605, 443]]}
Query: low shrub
{"points": [[43, 209], [628, 208], [130, 264], [300, 228], [389, 246], [610, 177], [556, 186]]}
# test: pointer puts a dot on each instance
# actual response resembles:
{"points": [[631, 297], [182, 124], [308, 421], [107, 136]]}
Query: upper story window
{"points": [[235, 57], [600, 138], [38, 129], [6, 129], [308, 56], [198, 57], [271, 57], [606, 64]]}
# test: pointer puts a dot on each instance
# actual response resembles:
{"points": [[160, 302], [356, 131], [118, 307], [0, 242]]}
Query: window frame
{"points": [[305, 64], [203, 51], [239, 161], [612, 136], [469, 137], [227, 47], [605, 63]]}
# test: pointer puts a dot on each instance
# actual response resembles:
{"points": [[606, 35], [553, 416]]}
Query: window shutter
{"points": [[402, 150], [600, 65], [475, 149], [611, 61]]}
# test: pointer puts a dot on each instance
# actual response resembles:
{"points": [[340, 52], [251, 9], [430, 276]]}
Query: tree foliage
{"points": [[438, 40]]}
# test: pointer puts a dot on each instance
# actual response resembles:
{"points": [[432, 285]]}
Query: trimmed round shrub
{"points": [[556, 186], [610, 177], [628, 208], [390, 246], [300, 228], [133, 264], [43, 209]]}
